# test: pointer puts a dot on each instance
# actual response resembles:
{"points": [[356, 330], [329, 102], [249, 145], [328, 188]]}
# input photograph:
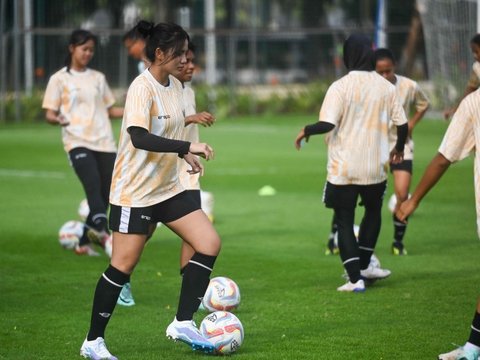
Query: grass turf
{"points": [[272, 247]]}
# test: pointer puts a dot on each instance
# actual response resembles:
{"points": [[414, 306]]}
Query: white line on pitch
{"points": [[32, 174]]}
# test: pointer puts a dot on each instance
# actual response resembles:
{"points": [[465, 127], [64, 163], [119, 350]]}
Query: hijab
{"points": [[358, 53]]}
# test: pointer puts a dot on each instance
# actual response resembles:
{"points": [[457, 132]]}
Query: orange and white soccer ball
{"points": [[70, 233], [222, 294], [224, 330]]}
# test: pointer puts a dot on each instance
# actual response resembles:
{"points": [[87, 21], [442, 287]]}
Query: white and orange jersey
{"points": [[83, 98], [474, 80], [142, 178], [410, 96], [191, 134], [361, 105], [463, 138]]}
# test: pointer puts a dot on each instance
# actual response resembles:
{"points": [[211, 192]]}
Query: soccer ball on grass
{"points": [[224, 330]]}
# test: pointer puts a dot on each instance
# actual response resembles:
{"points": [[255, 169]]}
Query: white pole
{"points": [[478, 16], [381, 36], [27, 16], [210, 48]]}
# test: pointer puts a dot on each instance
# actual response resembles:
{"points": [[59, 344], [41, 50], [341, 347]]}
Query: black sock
{"points": [[106, 294], [194, 284], [399, 229], [84, 240], [365, 255], [182, 270], [352, 268], [475, 330]]}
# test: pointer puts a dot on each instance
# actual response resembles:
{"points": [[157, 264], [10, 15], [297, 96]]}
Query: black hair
{"points": [[191, 46], [475, 40], [78, 37], [132, 34], [383, 53], [168, 37]]}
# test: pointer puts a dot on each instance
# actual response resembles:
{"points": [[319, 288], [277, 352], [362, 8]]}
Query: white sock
{"points": [[470, 346]]}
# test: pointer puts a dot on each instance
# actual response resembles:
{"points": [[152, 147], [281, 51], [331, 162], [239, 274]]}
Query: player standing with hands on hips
{"points": [[146, 189], [461, 139], [356, 112], [79, 100]]}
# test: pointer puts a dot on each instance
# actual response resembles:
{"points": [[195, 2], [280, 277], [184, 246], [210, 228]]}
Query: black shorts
{"points": [[196, 196], [346, 196], [405, 165], [130, 220]]}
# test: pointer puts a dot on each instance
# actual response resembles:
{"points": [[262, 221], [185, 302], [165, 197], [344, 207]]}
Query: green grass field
{"points": [[273, 247]]}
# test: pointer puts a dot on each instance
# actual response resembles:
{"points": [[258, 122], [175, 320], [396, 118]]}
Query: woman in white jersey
{"points": [[474, 80], [410, 96], [461, 139], [357, 111], [79, 100], [146, 189]]}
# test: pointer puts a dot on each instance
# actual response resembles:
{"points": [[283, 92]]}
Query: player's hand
{"points": [[396, 157], [448, 113], [204, 118], [299, 141], [196, 166], [62, 120], [202, 149], [405, 209]]}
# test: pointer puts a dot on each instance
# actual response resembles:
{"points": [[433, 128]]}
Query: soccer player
{"points": [[410, 96], [356, 112], [474, 80], [79, 100], [147, 189], [461, 139]]}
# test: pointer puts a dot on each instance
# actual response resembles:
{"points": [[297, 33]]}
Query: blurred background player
{"points": [[411, 97], [356, 112], [461, 139], [191, 134], [146, 189], [135, 45], [474, 80], [79, 100]]}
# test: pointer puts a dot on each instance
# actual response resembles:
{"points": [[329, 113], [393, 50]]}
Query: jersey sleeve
{"points": [[473, 80], [137, 107], [332, 106], [397, 114], [421, 100], [107, 95], [459, 139], [52, 99]]}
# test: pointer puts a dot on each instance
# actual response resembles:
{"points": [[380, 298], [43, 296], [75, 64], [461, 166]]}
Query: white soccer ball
{"points": [[356, 231], [222, 294], [83, 209], [224, 330], [70, 233], [392, 202], [208, 202]]}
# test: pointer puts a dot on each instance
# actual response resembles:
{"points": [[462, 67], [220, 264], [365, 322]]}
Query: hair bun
{"points": [[145, 28]]}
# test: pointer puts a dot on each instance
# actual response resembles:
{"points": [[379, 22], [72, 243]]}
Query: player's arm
{"points": [[55, 118], [115, 112], [142, 139], [435, 170], [204, 118], [320, 127]]}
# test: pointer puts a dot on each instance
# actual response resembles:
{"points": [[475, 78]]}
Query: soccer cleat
{"points": [[374, 273], [460, 354], [96, 350], [187, 332], [98, 237], [359, 286], [332, 248], [85, 250], [398, 248], [126, 298]]}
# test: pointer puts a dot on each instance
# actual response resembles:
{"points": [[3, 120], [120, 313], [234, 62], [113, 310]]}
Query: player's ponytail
{"points": [[145, 28], [77, 38]]}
